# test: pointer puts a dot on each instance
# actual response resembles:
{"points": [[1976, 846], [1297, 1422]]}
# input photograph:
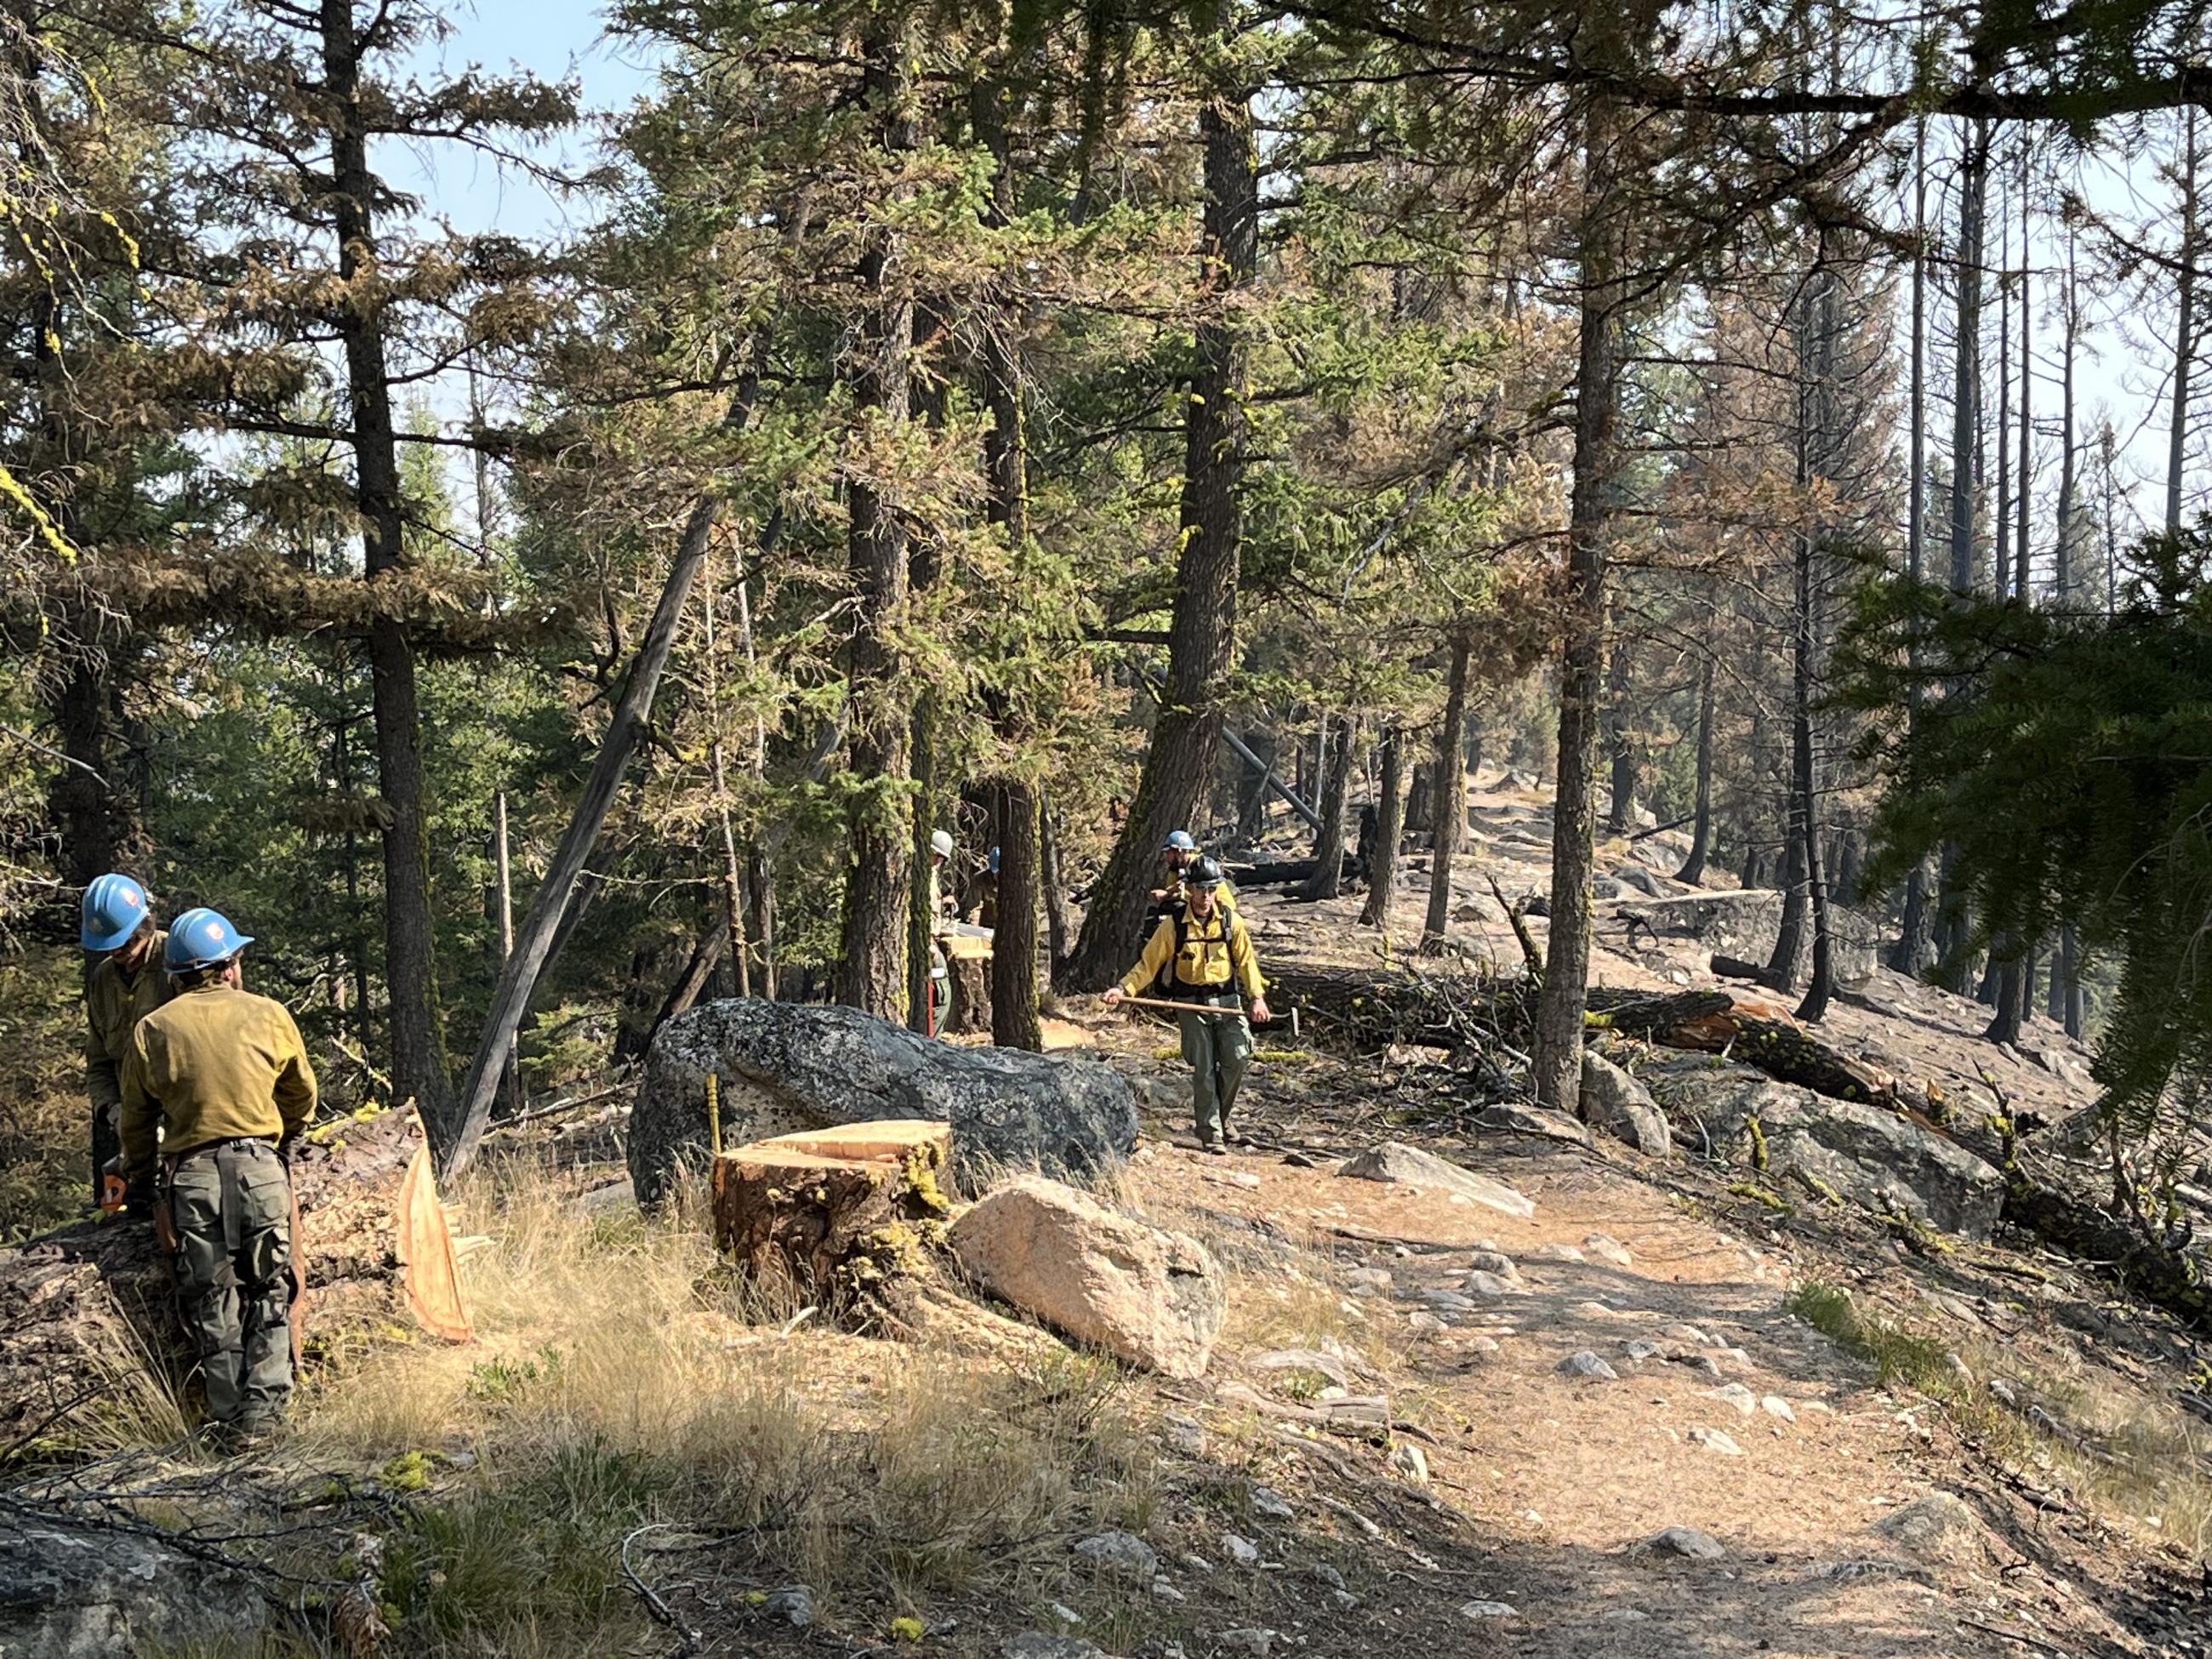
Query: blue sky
{"points": [[551, 39]]}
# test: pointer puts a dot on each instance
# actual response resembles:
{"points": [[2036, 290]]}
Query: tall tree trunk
{"points": [[1967, 368], [1327, 878], [1016, 1016], [2185, 342], [1619, 752], [760, 857], [2069, 508], [420, 1070], [2004, 1025], [928, 401], [2022, 582], [1910, 954], [1389, 831], [872, 969], [1448, 800], [2001, 567], [1966, 472], [1701, 830], [1202, 633], [2066, 1004], [1606, 290], [1058, 931], [1820, 320]]}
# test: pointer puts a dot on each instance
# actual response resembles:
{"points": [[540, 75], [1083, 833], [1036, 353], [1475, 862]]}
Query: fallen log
{"points": [[2167, 1279], [1457, 1011], [84, 1308], [1281, 872]]}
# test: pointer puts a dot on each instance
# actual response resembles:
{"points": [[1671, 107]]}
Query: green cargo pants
{"points": [[1220, 1049], [232, 1205]]}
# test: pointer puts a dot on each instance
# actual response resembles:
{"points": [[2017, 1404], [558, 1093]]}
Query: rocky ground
{"points": [[1595, 1403]]}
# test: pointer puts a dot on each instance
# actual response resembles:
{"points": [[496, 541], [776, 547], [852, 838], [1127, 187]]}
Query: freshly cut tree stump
{"points": [[84, 1308], [833, 1216]]}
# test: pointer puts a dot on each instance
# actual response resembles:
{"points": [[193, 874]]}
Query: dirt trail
{"points": [[1562, 1480], [1740, 1420]]}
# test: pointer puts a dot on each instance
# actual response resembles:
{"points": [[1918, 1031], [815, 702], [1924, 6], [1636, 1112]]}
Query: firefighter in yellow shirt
{"points": [[222, 1076], [1203, 956], [123, 985]]}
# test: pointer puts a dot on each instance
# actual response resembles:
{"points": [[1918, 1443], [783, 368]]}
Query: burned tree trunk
{"points": [[1389, 830], [1327, 878], [1451, 803]]}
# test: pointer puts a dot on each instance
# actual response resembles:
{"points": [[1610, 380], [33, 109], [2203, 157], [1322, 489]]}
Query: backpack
{"points": [[1166, 986]]}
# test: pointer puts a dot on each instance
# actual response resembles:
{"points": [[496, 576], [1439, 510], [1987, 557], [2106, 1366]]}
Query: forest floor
{"points": [[1896, 1447]]}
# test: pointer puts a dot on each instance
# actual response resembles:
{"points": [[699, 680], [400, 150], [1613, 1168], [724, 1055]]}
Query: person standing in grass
{"points": [[222, 1076], [1202, 955], [123, 985]]}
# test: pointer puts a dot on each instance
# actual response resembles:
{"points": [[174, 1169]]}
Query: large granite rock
{"points": [[786, 1067], [1151, 1298], [1869, 1156], [68, 1592], [1618, 1104]]}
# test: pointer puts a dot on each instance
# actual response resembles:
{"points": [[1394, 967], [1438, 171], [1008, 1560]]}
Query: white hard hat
{"points": [[940, 842]]}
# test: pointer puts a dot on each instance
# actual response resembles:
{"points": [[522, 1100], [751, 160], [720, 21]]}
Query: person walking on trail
{"points": [[1204, 958], [222, 1076], [125, 983], [1179, 853]]}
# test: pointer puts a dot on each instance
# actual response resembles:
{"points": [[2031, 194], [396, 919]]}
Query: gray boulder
{"points": [[1395, 1161], [66, 1593], [1618, 1104], [786, 1067], [1864, 1155]]}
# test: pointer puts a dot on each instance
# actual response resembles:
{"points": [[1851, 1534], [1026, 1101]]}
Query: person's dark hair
{"points": [[194, 978]]}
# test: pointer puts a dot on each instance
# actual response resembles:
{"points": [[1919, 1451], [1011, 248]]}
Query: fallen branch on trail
{"points": [[85, 1305]]}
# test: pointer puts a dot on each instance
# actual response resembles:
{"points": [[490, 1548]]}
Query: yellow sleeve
{"points": [[295, 1077], [1159, 950], [141, 1111], [1243, 960]]}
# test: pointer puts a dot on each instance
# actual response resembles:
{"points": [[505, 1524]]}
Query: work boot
{"points": [[1217, 1148], [1235, 1136]]}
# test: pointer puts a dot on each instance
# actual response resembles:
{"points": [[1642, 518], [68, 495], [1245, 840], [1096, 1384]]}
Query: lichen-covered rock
{"points": [[783, 1068], [1618, 1104], [1151, 1298], [69, 1592], [1863, 1154]]}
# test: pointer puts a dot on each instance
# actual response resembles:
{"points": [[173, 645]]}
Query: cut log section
{"points": [[84, 1308], [833, 1216]]}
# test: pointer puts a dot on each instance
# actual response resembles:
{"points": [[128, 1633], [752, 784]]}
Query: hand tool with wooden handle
{"points": [[1289, 1016]]}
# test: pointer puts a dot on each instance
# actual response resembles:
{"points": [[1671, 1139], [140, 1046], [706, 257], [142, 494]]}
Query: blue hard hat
{"points": [[113, 908], [994, 861], [1180, 841], [202, 938]]}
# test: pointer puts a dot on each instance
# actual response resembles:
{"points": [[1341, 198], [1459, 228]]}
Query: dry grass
{"points": [[617, 1385], [2135, 1457]]}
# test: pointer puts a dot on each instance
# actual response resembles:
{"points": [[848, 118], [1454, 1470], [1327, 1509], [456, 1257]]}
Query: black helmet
{"points": [[1201, 872]]}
